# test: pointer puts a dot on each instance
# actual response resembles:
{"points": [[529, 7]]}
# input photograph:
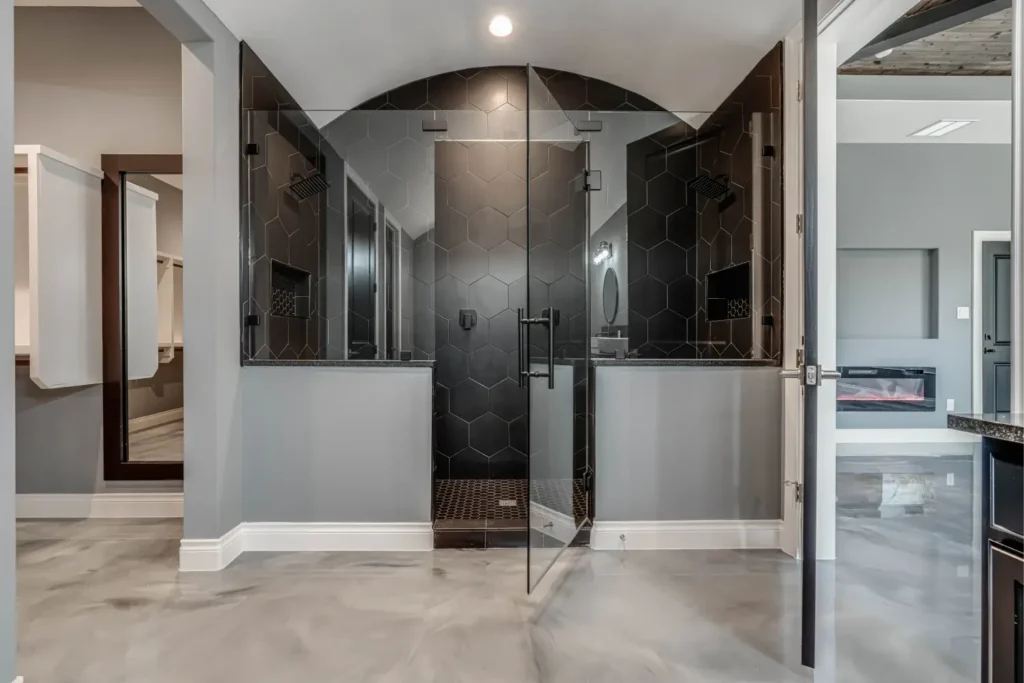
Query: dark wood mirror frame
{"points": [[116, 467]]}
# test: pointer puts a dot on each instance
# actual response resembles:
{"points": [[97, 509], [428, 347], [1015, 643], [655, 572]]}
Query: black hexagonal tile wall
{"points": [[569, 296], [488, 434], [450, 160], [488, 227], [507, 262], [646, 227], [452, 295], [666, 262], [487, 160], [452, 227], [467, 262], [507, 193], [519, 436], [508, 400], [489, 296], [452, 434], [468, 400], [468, 340], [467, 194], [452, 366], [503, 331], [488, 366], [666, 327], [548, 262], [647, 296]]}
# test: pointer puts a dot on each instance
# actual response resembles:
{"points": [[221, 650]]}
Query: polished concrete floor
{"points": [[102, 602]]}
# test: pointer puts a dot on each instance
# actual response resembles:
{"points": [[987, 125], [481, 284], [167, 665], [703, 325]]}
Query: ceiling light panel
{"points": [[943, 127]]}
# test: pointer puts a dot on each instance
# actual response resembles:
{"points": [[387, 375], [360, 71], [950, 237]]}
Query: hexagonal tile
{"points": [[647, 296], [440, 327], [451, 159], [519, 435], [468, 400], [451, 296], [488, 366], [578, 262], [406, 158], [548, 262], [667, 328], [468, 262], [368, 157], [508, 463], [488, 434], [507, 262], [452, 434], [507, 193], [666, 193], [636, 193], [424, 263], [388, 127], [468, 340], [489, 296], [392, 191], [506, 124], [487, 160], [646, 227], [488, 227], [667, 262], [637, 262], [441, 402], [682, 296], [538, 228], [451, 227], [549, 192], [503, 331], [467, 194], [682, 227], [409, 96], [488, 90], [421, 196], [569, 89], [447, 91], [452, 366], [568, 226], [569, 295], [278, 152], [508, 400]]}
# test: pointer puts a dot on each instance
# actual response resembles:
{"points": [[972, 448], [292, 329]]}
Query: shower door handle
{"points": [[524, 363]]}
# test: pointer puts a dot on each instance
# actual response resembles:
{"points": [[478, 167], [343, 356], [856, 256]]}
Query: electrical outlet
{"points": [[950, 405], [963, 312], [949, 479]]}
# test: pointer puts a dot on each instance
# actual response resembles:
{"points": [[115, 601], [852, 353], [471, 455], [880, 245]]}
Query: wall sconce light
{"points": [[602, 253]]}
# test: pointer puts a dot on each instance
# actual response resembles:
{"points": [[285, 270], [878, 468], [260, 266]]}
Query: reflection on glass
{"points": [[362, 274], [153, 272]]}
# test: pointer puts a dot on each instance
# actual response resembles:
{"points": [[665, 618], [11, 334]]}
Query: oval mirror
{"points": [[611, 296]]}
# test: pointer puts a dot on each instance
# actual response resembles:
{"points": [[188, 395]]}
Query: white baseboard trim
{"points": [[940, 435], [19, 679], [156, 419], [211, 554], [98, 505], [552, 523], [687, 535], [215, 554]]}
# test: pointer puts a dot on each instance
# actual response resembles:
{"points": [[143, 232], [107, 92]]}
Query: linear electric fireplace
{"points": [[878, 389]]}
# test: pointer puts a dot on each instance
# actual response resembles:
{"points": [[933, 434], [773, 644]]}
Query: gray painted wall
{"points": [[8, 609], [160, 393], [337, 444], [210, 237], [688, 443], [922, 196]]}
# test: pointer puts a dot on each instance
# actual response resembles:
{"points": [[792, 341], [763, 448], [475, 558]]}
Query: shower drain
{"points": [[504, 503]]}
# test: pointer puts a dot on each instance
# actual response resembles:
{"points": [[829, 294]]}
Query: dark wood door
{"points": [[996, 327], [1006, 572]]}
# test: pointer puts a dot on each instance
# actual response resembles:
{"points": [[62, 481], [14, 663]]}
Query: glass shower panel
{"points": [[556, 328]]}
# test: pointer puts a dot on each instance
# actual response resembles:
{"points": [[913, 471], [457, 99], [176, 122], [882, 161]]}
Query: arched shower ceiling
{"points": [[385, 146], [686, 55]]}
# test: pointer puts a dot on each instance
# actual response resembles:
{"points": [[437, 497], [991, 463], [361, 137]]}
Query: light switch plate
{"points": [[950, 405], [950, 479], [963, 312]]}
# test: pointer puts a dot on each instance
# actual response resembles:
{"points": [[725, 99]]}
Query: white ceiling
{"points": [[686, 55], [888, 109]]}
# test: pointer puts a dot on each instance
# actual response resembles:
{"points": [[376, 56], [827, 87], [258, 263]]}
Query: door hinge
{"points": [[799, 224], [799, 91], [798, 490], [591, 181], [799, 357]]}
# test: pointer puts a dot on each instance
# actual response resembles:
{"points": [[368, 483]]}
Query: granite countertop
{"points": [[608, 361], [1004, 426], [282, 363]]}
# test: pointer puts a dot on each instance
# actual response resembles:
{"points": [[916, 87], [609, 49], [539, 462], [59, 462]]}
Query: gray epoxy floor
{"points": [[102, 602]]}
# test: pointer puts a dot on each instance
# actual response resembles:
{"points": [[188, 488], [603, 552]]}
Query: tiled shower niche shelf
{"points": [[289, 291]]}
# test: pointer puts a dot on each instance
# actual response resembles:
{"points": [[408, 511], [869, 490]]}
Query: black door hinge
{"points": [[588, 481], [768, 151], [591, 181], [252, 149]]}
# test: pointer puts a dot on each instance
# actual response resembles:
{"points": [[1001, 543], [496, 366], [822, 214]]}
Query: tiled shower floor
{"points": [[493, 513]]}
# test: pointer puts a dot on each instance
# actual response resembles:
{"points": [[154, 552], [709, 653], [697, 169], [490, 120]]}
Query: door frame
{"points": [[978, 240]]}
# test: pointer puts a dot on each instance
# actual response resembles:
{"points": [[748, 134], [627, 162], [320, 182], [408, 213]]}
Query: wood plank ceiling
{"points": [[977, 48]]}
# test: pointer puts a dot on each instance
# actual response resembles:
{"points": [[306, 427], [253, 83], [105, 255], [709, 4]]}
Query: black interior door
{"points": [[996, 327]]}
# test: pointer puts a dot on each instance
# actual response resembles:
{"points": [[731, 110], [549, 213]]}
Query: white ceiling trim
{"points": [[686, 55]]}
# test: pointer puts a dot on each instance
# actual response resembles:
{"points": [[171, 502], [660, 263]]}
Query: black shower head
{"points": [[304, 188], [712, 188]]}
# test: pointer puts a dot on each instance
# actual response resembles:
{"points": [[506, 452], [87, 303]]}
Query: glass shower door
{"points": [[554, 327]]}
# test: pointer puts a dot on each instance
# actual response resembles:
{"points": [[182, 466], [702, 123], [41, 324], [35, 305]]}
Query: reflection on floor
{"points": [[102, 601], [163, 443]]}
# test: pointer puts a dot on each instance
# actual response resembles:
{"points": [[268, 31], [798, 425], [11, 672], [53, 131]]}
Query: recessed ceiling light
{"points": [[883, 54], [943, 127], [500, 26]]}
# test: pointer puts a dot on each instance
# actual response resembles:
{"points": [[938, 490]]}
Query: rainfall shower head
{"points": [[304, 188], [712, 188]]}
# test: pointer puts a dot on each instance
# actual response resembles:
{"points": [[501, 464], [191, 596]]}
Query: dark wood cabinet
{"points": [[1006, 579]]}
